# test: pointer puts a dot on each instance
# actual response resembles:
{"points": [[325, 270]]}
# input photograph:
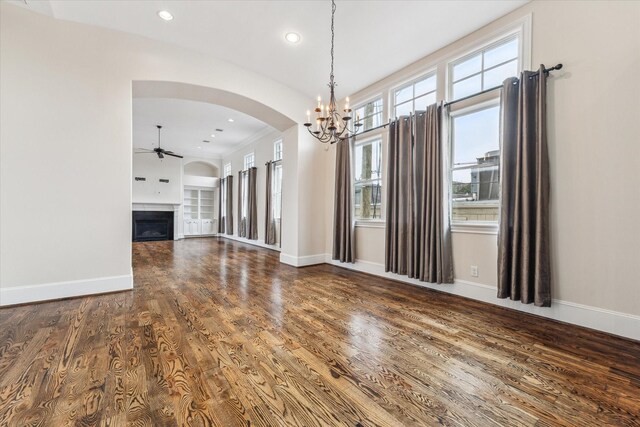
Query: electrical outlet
{"points": [[474, 271]]}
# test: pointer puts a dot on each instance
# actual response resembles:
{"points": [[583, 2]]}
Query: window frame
{"points": [[520, 29], [362, 104], [277, 150], [491, 100], [252, 157], [370, 222], [431, 72], [226, 171]]}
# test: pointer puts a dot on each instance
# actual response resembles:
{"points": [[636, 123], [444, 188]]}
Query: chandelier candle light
{"points": [[331, 127]]}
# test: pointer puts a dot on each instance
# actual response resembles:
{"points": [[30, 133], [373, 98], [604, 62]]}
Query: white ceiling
{"points": [[373, 38], [185, 124]]}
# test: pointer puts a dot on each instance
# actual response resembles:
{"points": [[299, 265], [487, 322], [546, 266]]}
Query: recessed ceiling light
{"points": [[166, 15], [230, 120], [199, 147], [292, 37], [213, 135]]}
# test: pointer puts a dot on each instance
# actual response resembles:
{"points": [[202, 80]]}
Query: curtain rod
{"points": [[446, 104], [272, 161]]}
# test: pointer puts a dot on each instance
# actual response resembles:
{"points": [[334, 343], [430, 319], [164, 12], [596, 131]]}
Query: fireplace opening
{"points": [[152, 225]]}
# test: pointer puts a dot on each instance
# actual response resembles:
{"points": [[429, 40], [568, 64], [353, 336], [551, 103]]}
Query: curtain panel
{"points": [[269, 217], [252, 204], [242, 221], [225, 205], [343, 234], [523, 239], [418, 236]]}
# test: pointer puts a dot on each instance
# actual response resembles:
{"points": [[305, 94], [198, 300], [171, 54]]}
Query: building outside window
{"points": [[277, 150], [475, 166], [415, 95], [367, 199]]}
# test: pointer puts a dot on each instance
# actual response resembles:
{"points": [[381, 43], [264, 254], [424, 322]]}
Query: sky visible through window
{"points": [[475, 134]]}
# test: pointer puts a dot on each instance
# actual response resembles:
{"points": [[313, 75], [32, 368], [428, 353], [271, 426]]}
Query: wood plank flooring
{"points": [[219, 333]]}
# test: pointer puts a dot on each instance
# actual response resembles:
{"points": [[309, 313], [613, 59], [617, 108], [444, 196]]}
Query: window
{"points": [[277, 150], [369, 114], [248, 161], [475, 163], [415, 95], [368, 179], [484, 69], [227, 170], [277, 192]]}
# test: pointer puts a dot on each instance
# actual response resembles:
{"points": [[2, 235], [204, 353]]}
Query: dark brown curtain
{"points": [[229, 205], [523, 240], [399, 236], [242, 220], [269, 220], [432, 257], [343, 242], [252, 204], [418, 236]]}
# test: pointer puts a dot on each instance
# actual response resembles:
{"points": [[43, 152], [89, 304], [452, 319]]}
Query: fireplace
{"points": [[152, 225]]}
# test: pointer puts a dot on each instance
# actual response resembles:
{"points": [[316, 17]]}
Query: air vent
{"points": [[166, 181], [219, 130], [204, 140], [139, 178]]}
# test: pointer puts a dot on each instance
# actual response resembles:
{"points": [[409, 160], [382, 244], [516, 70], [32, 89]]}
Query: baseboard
{"points": [[302, 261], [75, 288], [613, 322], [259, 243]]}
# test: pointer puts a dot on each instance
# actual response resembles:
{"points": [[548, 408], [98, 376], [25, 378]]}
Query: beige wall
{"points": [[65, 142], [594, 149]]}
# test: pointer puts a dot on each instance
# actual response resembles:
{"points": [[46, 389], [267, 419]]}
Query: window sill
{"points": [[475, 228], [372, 223]]}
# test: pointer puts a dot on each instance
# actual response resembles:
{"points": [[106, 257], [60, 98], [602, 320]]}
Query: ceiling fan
{"points": [[161, 152]]}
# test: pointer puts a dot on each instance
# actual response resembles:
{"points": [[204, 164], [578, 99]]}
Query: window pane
{"points": [[496, 76], [404, 94], [476, 136], [475, 193], [501, 53], [368, 200], [467, 87], [404, 109], [424, 101], [466, 68], [425, 86]]}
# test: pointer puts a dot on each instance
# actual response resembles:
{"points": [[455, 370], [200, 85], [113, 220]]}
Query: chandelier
{"points": [[330, 126]]}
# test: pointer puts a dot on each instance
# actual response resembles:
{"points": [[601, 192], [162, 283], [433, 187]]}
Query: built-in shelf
{"points": [[199, 212]]}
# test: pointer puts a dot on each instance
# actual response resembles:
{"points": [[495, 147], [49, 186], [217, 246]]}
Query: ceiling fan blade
{"points": [[160, 156], [144, 152], [169, 153]]}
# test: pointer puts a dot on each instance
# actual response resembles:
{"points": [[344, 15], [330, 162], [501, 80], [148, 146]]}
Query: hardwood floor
{"points": [[220, 333]]}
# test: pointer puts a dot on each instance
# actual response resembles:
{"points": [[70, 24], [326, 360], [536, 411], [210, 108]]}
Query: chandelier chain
{"points": [[333, 12]]}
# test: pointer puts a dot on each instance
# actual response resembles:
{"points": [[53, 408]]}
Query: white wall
{"points": [[65, 142], [154, 169], [593, 113]]}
